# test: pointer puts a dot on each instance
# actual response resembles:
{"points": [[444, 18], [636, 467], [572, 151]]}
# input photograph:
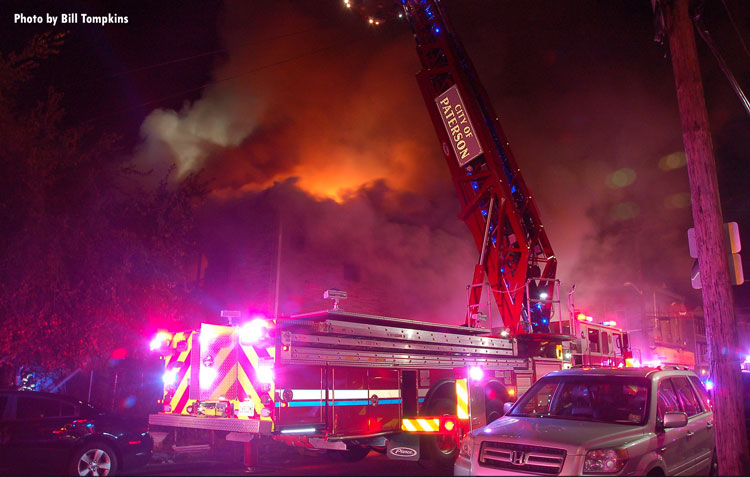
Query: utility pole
{"points": [[718, 304]]}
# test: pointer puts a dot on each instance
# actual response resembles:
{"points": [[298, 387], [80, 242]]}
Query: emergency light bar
{"points": [[253, 331], [161, 339]]}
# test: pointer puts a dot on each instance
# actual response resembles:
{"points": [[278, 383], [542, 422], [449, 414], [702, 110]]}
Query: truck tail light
{"points": [[265, 374], [206, 377], [449, 425], [170, 376]]}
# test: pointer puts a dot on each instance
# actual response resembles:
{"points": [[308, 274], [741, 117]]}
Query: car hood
{"points": [[576, 436]]}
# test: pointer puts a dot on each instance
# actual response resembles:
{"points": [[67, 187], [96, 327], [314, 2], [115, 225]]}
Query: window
{"points": [[67, 409], [700, 326], [35, 408], [605, 342], [610, 399], [746, 392], [538, 401], [702, 394], [687, 396], [667, 400], [703, 352], [594, 341]]}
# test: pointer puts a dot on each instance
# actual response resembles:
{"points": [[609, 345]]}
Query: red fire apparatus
{"points": [[346, 382]]}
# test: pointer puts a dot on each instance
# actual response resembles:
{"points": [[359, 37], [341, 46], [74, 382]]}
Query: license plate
{"points": [[246, 409]]}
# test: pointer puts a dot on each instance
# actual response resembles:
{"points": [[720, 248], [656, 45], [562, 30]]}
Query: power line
{"points": [[214, 52], [220, 80], [734, 25]]}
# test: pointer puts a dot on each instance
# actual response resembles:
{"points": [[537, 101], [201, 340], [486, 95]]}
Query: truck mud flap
{"points": [[403, 446]]}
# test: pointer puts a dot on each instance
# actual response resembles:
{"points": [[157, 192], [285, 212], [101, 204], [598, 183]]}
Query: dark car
{"points": [[42, 432]]}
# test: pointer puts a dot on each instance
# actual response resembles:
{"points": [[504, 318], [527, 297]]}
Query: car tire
{"points": [[94, 459], [441, 450], [713, 471], [657, 472]]}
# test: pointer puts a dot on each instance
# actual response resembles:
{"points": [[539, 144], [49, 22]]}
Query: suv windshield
{"points": [[615, 399]]}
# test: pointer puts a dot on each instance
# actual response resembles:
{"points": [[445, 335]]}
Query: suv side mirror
{"points": [[507, 406], [674, 419]]}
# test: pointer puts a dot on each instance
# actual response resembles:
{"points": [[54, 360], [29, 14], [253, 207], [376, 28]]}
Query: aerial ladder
{"points": [[515, 254], [341, 382]]}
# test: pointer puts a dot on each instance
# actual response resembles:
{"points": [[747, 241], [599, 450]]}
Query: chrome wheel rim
{"points": [[94, 463]]}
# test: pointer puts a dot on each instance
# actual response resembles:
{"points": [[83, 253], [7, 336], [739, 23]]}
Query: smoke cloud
{"points": [[315, 131]]}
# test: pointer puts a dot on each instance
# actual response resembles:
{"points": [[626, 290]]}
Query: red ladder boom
{"points": [[496, 205]]}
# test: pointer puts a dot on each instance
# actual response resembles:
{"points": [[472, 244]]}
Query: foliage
{"points": [[87, 254]]}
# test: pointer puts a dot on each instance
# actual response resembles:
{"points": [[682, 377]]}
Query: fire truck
{"points": [[344, 383]]}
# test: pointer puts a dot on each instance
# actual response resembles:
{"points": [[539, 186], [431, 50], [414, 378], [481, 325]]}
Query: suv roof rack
{"points": [[579, 366]]}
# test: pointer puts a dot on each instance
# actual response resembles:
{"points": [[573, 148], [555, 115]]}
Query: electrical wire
{"points": [[204, 54], [220, 80], [734, 25], [214, 52]]}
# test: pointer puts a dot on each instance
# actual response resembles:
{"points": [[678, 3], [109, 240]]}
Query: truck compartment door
{"points": [[385, 400], [300, 396]]}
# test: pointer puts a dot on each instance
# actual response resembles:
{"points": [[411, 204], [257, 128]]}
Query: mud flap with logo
{"points": [[403, 446]]}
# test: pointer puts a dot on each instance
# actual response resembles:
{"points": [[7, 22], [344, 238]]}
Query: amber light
{"points": [[511, 392], [449, 425]]}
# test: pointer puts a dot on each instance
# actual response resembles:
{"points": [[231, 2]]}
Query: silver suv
{"points": [[599, 421]]}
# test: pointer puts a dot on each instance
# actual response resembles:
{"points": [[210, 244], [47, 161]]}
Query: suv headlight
{"points": [[467, 446], [604, 461]]}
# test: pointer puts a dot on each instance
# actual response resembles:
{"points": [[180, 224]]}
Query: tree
{"points": [[88, 255]]}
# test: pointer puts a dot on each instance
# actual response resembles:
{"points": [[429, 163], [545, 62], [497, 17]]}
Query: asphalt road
{"points": [[282, 460]]}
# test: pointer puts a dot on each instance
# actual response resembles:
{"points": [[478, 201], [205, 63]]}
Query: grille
{"points": [[536, 459]]}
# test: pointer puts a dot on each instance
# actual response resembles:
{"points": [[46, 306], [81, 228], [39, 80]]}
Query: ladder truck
{"points": [[344, 383]]}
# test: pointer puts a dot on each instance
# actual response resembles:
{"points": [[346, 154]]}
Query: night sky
{"points": [[304, 111]]}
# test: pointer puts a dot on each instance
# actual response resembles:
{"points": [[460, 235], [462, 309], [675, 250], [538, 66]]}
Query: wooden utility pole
{"points": [[718, 304]]}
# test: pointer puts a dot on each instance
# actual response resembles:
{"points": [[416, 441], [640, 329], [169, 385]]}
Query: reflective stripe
{"points": [[350, 394], [462, 399], [307, 394], [248, 362], [302, 404], [389, 401], [429, 425], [421, 425], [358, 402], [386, 393], [407, 425]]}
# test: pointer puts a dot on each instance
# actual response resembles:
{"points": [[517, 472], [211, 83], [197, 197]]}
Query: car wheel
{"points": [[442, 450], [713, 471], [657, 472], [94, 460]]}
